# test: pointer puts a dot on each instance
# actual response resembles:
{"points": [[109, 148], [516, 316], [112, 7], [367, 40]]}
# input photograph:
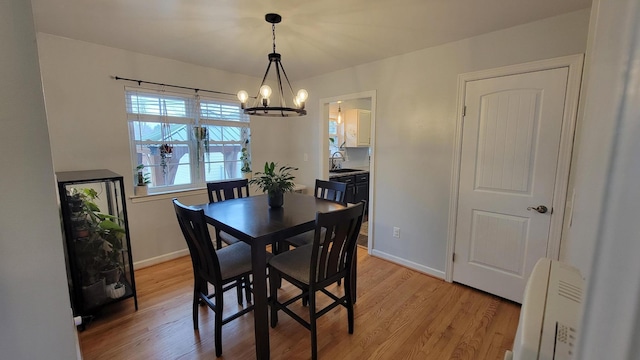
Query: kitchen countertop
{"points": [[349, 173]]}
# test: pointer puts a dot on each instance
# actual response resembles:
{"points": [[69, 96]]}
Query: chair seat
{"points": [[294, 263], [235, 260], [305, 238], [301, 239], [228, 239]]}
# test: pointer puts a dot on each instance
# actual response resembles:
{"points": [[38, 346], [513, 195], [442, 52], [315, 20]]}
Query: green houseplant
{"points": [[143, 179], [246, 161], [274, 182], [98, 244]]}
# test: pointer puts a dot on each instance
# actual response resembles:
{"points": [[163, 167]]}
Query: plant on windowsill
{"points": [[274, 183], [142, 181]]}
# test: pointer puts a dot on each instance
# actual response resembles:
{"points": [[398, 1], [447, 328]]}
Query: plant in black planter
{"points": [[275, 183]]}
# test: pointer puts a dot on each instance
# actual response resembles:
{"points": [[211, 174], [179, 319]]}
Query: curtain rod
{"points": [[173, 86]]}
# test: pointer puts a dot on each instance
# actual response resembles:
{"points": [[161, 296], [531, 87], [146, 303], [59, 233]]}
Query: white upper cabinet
{"points": [[357, 128]]}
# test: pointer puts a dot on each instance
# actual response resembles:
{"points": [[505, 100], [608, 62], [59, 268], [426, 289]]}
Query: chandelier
{"points": [[262, 104]]}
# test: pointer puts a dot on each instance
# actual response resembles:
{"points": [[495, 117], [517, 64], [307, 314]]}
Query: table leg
{"points": [[261, 309]]}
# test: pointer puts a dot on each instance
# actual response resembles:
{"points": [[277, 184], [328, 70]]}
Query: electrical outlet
{"points": [[396, 232], [306, 157]]}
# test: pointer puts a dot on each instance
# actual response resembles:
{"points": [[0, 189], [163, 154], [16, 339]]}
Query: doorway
{"points": [[360, 156], [511, 169]]}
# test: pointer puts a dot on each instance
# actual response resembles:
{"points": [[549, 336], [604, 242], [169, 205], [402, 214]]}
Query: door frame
{"points": [[323, 150], [574, 63]]}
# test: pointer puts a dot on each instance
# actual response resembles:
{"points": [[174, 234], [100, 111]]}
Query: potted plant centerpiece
{"points": [[274, 183], [142, 181]]}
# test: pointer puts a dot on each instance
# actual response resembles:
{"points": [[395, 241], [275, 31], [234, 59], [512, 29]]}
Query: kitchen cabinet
{"points": [[357, 128], [97, 245], [361, 188]]}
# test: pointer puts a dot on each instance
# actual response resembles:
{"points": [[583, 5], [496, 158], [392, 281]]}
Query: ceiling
{"points": [[315, 36]]}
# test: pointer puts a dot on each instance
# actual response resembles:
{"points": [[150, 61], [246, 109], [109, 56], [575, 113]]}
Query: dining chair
{"points": [[225, 190], [314, 267], [329, 190], [225, 269]]}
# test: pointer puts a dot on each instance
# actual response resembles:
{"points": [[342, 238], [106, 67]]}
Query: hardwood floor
{"points": [[400, 314]]}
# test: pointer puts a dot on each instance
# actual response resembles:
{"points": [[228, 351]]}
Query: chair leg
{"points": [[218, 321], [239, 286], [273, 300], [203, 288], [247, 288], [354, 277], [349, 295], [312, 323], [196, 299], [218, 240]]}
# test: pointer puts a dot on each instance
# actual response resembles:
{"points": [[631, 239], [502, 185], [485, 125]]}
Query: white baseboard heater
{"points": [[550, 313]]}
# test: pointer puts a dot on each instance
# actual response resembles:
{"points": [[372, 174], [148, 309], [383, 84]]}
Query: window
{"points": [[185, 141]]}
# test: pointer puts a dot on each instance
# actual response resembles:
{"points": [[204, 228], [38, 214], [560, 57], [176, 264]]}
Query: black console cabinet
{"points": [[97, 244]]}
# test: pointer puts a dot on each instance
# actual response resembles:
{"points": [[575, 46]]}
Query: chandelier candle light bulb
{"points": [[243, 96]]}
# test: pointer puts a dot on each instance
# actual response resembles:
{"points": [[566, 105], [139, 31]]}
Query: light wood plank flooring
{"points": [[400, 314]]}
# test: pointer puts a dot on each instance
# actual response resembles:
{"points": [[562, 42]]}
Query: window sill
{"points": [[167, 195]]}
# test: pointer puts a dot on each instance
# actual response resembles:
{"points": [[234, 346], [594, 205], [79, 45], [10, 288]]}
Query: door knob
{"points": [[541, 209]]}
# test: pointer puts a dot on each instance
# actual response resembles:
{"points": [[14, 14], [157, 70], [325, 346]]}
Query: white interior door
{"points": [[510, 145]]}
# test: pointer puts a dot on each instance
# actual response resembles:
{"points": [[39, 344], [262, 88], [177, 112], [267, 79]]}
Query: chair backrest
{"points": [[225, 190], [331, 190], [334, 249], [203, 255]]}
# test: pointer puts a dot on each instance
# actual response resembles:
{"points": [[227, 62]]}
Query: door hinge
{"points": [[453, 257], [464, 111]]}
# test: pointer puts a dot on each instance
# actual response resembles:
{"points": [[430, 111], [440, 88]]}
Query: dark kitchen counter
{"points": [[333, 175]]}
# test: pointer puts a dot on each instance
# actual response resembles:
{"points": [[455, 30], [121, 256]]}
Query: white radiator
{"points": [[550, 313]]}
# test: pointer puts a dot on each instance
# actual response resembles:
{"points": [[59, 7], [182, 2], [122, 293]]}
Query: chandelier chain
{"points": [[273, 30]]}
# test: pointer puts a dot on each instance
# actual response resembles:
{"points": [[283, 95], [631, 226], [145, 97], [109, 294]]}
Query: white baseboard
{"points": [[160, 259], [409, 264], [394, 259]]}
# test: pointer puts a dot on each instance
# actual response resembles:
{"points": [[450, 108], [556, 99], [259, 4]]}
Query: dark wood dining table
{"points": [[251, 220]]}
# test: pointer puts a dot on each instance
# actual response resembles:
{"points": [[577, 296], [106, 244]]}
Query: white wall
{"points": [[88, 126], [415, 123], [607, 169], [603, 87], [35, 311]]}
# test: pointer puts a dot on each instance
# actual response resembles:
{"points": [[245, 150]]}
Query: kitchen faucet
{"points": [[333, 160]]}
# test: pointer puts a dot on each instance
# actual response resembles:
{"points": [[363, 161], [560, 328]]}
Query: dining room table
{"points": [[251, 220]]}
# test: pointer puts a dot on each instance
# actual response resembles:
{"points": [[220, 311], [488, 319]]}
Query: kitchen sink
{"points": [[340, 171]]}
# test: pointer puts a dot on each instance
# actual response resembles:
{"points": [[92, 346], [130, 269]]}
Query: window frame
{"points": [[203, 111]]}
